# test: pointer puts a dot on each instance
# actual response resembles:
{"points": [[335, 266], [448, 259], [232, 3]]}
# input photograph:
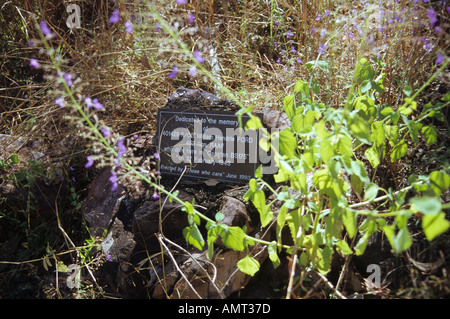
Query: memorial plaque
{"points": [[206, 144]]}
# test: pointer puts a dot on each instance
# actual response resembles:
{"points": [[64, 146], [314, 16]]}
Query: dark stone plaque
{"points": [[206, 144]]}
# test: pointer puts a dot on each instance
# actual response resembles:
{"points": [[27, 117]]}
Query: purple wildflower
{"points": [[438, 29], [97, 105], [128, 26], [156, 156], [278, 60], [106, 132], [323, 32], [432, 16], [45, 29], [115, 17], [198, 56], [298, 60], [68, 78], [113, 180], [157, 27], [59, 101], [275, 43], [193, 71], [155, 196], [34, 63], [89, 162], [322, 48], [293, 49], [122, 148], [88, 102], [289, 34], [191, 18], [439, 58], [318, 17], [350, 34], [313, 30], [326, 13], [174, 72], [181, 1], [109, 258]]}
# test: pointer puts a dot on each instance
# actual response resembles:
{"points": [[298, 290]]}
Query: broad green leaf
{"points": [[407, 90], [434, 225], [324, 255], [430, 134], [254, 123], [359, 127], [281, 220], [371, 192], [302, 87], [287, 143], [326, 150], [293, 222], [426, 205], [361, 245], [377, 134], [344, 247], [366, 85], [391, 133], [414, 128], [233, 237], [253, 185], [387, 111], [372, 156], [344, 145], [439, 181], [366, 106], [273, 255], [211, 239], [193, 236], [289, 107], [359, 170], [399, 150], [259, 200], [402, 241], [363, 71], [248, 265]]}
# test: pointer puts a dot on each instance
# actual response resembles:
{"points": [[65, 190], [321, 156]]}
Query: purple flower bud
{"points": [[106, 132], [191, 18], [97, 105], [44, 28], [198, 56], [322, 48], [326, 13], [122, 148], [439, 58], [128, 27], [115, 17], [156, 156], [432, 16], [318, 17], [181, 1], [289, 34], [59, 101], [113, 180], [193, 71], [174, 72], [293, 49], [68, 78], [157, 27], [155, 196], [323, 32], [89, 162], [34, 63], [88, 102]]}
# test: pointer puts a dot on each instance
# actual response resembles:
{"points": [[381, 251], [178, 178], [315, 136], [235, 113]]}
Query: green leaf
{"points": [[402, 241], [344, 145], [371, 192], [254, 123], [248, 265], [430, 134], [219, 216], [363, 71], [377, 134], [302, 87], [287, 143], [366, 85], [426, 205], [265, 214], [434, 225], [233, 237], [326, 150], [349, 219], [439, 181], [193, 236], [344, 247], [273, 255], [372, 156], [289, 107], [407, 90], [414, 128], [359, 127], [399, 150], [391, 133], [360, 171], [211, 239]]}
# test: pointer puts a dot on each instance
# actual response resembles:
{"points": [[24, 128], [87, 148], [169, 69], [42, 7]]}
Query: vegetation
{"points": [[364, 84]]}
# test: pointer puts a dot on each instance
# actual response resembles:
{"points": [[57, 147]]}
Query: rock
{"points": [[101, 203], [275, 119], [146, 221], [235, 212]]}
